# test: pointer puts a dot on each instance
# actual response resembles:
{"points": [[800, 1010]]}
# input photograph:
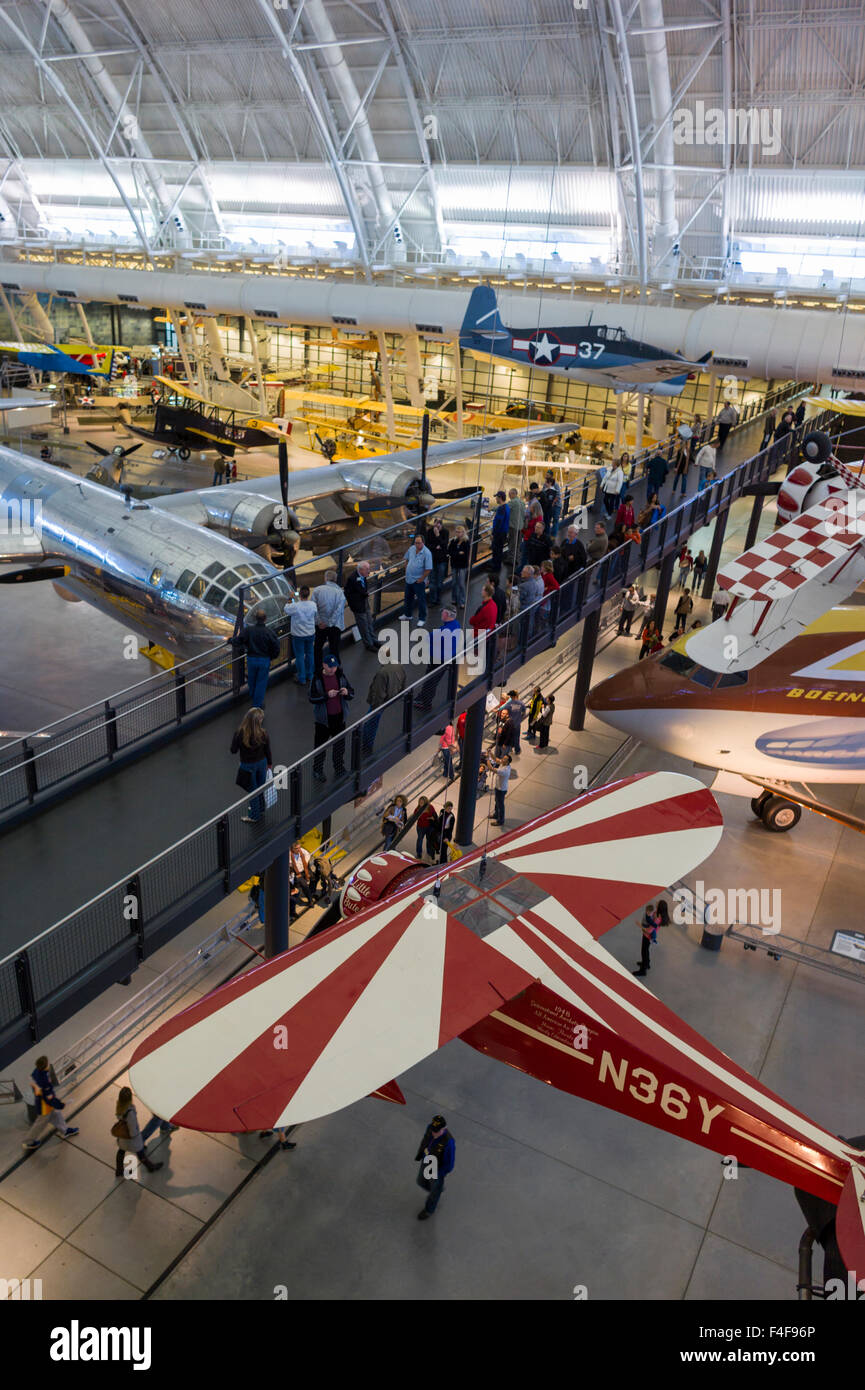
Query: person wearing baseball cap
{"points": [[436, 1158]]}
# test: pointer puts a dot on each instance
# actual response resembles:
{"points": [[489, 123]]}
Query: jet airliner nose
{"points": [[624, 690], [621, 700]]}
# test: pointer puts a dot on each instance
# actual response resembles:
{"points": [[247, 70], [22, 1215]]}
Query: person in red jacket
{"points": [[551, 584], [485, 618], [625, 513]]}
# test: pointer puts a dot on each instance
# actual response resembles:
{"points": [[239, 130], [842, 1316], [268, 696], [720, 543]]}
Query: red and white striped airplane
{"points": [[502, 949]]}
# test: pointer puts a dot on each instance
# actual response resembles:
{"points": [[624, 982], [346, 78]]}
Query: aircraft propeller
{"points": [[118, 452]]}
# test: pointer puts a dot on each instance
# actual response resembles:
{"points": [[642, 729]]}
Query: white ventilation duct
{"points": [[748, 341], [126, 121], [666, 227]]}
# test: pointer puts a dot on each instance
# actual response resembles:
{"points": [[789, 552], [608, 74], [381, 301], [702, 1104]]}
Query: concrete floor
{"points": [[549, 1192]]}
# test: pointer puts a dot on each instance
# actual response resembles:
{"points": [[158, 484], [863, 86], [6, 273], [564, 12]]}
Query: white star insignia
{"points": [[543, 349]]}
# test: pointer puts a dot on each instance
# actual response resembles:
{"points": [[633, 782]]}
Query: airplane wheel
{"points": [[184, 453], [816, 446], [778, 814], [758, 802]]}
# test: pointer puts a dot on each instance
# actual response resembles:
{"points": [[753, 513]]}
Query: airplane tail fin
{"points": [[482, 316]]}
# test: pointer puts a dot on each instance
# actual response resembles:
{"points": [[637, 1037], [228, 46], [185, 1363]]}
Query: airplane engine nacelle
{"points": [[242, 516], [388, 480], [252, 518], [806, 485]]}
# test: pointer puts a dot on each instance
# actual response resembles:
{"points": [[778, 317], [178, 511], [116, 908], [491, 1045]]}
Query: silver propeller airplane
{"points": [[172, 568]]}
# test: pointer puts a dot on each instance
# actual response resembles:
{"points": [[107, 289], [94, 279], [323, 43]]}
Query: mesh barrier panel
{"points": [[10, 1006], [13, 784], [86, 747], [79, 943], [139, 719], [181, 870]]}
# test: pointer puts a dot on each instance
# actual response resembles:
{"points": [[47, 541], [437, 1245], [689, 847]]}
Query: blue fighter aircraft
{"points": [[595, 353]]}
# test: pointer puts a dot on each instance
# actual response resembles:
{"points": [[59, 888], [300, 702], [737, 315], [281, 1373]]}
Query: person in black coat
{"points": [[538, 546], [436, 538], [447, 822], [330, 692], [260, 647], [500, 598], [357, 597], [458, 553]]}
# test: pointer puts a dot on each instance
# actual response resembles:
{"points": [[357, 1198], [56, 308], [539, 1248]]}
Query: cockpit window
{"points": [[703, 676], [677, 662], [213, 570], [184, 581], [214, 596]]}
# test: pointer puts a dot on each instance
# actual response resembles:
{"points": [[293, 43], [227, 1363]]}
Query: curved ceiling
{"points": [[394, 128]]}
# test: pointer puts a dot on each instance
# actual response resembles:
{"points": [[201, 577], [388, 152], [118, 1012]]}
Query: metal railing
{"points": [[163, 704], [103, 941], [109, 731]]}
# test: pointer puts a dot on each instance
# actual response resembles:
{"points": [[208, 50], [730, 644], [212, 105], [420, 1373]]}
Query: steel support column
{"points": [[665, 580], [276, 906], [473, 739], [588, 644], [715, 553], [753, 524]]}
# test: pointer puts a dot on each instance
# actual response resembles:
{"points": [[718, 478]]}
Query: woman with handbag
{"points": [[394, 822], [125, 1130], [252, 743]]}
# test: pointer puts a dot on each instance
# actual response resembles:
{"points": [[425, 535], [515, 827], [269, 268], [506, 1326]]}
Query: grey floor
{"points": [[549, 1192], [57, 653]]}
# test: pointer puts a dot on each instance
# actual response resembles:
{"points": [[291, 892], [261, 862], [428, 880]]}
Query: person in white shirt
{"points": [[501, 777], [298, 859], [612, 487], [303, 614], [720, 603], [705, 461]]}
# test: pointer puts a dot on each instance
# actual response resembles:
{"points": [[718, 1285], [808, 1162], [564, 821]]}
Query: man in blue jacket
{"points": [[501, 522], [436, 1158], [48, 1103]]}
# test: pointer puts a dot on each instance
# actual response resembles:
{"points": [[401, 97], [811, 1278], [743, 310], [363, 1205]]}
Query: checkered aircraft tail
{"points": [[782, 585]]}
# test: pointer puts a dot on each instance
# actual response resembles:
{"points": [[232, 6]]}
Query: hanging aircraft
{"points": [[596, 353], [773, 692], [174, 569], [425, 959], [75, 359], [184, 421]]}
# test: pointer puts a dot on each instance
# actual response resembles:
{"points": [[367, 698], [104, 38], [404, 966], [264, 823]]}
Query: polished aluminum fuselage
{"points": [[127, 559]]}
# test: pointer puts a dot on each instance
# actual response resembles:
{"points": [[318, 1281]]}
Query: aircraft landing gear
{"points": [[776, 812]]}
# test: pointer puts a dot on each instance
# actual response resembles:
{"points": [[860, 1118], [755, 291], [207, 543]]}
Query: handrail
{"points": [[41, 983], [711, 496], [219, 650]]}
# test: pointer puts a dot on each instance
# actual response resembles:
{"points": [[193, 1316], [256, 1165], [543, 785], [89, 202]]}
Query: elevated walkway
{"points": [[168, 836]]}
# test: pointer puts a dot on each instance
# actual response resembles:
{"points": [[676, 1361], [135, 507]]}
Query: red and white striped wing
{"points": [[323, 1025], [326, 1024]]}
